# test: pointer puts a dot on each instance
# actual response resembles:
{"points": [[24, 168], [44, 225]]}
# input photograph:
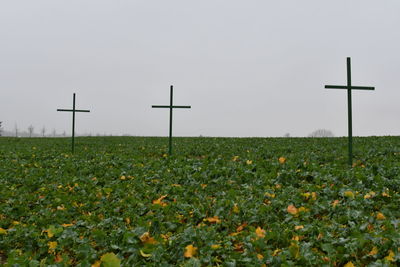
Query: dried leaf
{"points": [[299, 227], [373, 251], [52, 245], [214, 219], [160, 202], [380, 216], [292, 210], [190, 251], [260, 232], [147, 239], [390, 256]]}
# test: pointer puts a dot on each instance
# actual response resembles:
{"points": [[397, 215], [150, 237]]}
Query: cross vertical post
{"points": [[73, 110], [349, 87], [171, 107], [349, 112], [170, 119], [73, 124]]}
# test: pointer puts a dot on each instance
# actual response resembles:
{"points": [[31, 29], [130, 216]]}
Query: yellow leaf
{"points": [[147, 239], [349, 264], [276, 252], [66, 224], [349, 194], [190, 251], [122, 177], [249, 162], [144, 254], [380, 216], [235, 158], [260, 257], [214, 219], [292, 210], [282, 160], [52, 245], [390, 256], [235, 208], [203, 186], [50, 232], [260, 232], [373, 251], [314, 196], [303, 209], [384, 194], [165, 237], [296, 237], [215, 246], [299, 227], [3, 231], [96, 264], [270, 195]]}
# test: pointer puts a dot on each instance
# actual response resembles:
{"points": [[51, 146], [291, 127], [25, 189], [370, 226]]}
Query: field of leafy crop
{"points": [[216, 202]]}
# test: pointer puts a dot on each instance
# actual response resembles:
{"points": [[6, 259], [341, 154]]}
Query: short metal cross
{"points": [[73, 110], [349, 87], [171, 107]]}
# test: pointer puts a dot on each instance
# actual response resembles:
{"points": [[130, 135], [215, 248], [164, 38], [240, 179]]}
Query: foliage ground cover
{"points": [[217, 202]]}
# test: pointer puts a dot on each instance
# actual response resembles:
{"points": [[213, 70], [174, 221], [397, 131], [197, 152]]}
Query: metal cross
{"points": [[171, 107], [349, 87], [73, 110]]}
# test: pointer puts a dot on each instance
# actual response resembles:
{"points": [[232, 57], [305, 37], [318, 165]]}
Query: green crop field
{"points": [[215, 202]]}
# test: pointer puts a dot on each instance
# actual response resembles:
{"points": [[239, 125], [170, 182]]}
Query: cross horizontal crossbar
{"points": [[76, 110], [351, 87], [171, 106]]}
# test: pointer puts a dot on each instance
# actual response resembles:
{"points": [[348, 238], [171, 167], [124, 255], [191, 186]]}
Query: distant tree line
{"points": [[30, 132], [321, 133]]}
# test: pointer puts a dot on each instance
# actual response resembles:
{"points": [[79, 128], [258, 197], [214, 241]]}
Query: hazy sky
{"points": [[247, 68]]}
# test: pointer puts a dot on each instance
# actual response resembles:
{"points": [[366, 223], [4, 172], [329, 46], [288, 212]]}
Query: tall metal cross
{"points": [[73, 110], [349, 87], [171, 107]]}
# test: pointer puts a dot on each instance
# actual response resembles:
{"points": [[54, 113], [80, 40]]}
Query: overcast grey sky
{"points": [[248, 67]]}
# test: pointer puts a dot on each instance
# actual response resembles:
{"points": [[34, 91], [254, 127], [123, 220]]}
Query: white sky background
{"points": [[248, 67]]}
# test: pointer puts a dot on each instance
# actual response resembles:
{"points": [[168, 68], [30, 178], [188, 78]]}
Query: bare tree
{"points": [[287, 135], [1, 129], [16, 130], [321, 133], [30, 130], [54, 133], [43, 131], [64, 134]]}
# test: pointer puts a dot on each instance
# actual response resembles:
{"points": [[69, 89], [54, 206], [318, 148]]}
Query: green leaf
{"points": [[110, 260]]}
